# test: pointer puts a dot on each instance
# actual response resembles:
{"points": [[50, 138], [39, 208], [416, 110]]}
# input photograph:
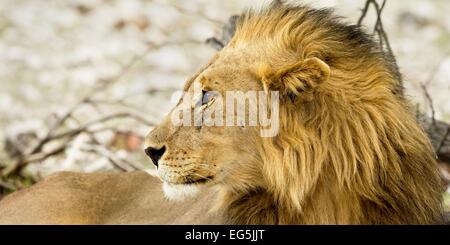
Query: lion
{"points": [[348, 149]]}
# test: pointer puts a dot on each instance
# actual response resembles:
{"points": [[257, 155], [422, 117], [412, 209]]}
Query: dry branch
{"points": [[117, 162], [36, 152]]}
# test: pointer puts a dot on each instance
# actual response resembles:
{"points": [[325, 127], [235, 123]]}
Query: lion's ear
{"points": [[298, 80]]}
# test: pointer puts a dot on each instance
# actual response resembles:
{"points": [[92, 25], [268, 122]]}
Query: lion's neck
{"points": [[323, 206], [255, 207]]}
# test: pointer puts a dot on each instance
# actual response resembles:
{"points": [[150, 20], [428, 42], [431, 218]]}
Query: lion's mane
{"points": [[354, 153]]}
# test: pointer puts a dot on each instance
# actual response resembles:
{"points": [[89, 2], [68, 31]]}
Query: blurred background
{"points": [[83, 81]]}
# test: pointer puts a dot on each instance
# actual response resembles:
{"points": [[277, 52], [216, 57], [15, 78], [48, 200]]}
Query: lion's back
{"points": [[98, 198]]}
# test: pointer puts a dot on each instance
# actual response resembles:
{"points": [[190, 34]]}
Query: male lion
{"points": [[348, 150]]}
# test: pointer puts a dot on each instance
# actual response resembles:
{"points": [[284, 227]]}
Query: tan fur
{"points": [[349, 149], [102, 198]]}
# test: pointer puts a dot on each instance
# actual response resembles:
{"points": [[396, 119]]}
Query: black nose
{"points": [[155, 154]]}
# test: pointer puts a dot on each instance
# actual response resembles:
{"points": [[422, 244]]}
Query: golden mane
{"points": [[354, 148]]}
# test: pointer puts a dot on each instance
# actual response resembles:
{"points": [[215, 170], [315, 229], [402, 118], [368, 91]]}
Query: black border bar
{"points": [[226, 234]]}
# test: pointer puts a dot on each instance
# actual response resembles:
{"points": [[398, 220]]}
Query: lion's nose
{"points": [[155, 154]]}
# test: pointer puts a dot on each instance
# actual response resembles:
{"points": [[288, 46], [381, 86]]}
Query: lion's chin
{"points": [[179, 192]]}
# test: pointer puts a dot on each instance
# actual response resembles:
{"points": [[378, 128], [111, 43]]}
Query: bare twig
{"points": [[103, 84], [37, 157], [119, 163], [436, 68], [379, 12], [196, 13], [103, 151], [378, 28], [103, 119], [365, 10], [84, 128], [430, 102], [384, 40]]}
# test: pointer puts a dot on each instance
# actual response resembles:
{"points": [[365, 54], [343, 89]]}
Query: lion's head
{"points": [[343, 146]]}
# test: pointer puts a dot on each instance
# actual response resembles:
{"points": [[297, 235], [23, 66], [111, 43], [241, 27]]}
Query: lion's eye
{"points": [[208, 97]]}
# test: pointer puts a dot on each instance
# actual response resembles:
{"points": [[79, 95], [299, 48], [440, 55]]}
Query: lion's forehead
{"points": [[227, 77]]}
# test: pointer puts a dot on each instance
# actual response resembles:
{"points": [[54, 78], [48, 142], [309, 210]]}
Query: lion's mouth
{"points": [[191, 181], [199, 181], [174, 176]]}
